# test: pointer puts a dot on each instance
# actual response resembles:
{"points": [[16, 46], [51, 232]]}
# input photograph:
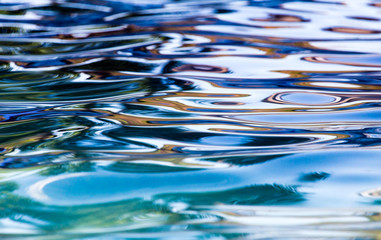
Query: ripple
{"points": [[354, 61], [305, 98], [374, 193]]}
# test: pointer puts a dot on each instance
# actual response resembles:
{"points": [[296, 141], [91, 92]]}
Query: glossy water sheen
{"points": [[127, 119]]}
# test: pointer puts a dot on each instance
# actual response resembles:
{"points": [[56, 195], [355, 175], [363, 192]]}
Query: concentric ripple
{"points": [[206, 119]]}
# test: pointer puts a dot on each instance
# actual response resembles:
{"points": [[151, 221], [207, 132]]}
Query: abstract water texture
{"points": [[187, 119]]}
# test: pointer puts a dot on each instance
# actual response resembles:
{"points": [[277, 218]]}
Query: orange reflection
{"points": [[352, 30], [281, 18]]}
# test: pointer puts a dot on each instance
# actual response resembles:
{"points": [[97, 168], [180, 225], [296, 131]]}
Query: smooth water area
{"points": [[186, 119]]}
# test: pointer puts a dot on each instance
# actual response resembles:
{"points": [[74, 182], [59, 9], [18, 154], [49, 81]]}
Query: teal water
{"points": [[230, 119]]}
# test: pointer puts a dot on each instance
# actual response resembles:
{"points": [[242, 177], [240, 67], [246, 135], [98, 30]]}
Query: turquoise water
{"points": [[230, 119]]}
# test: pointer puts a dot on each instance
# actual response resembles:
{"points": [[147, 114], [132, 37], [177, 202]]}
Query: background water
{"points": [[126, 119]]}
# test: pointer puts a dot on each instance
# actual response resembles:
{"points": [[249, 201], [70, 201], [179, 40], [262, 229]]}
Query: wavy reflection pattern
{"points": [[141, 117]]}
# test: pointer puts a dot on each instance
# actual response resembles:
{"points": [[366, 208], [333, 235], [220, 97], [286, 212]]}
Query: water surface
{"points": [[124, 119]]}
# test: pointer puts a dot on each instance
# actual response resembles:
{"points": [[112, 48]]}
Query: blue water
{"points": [[229, 119]]}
